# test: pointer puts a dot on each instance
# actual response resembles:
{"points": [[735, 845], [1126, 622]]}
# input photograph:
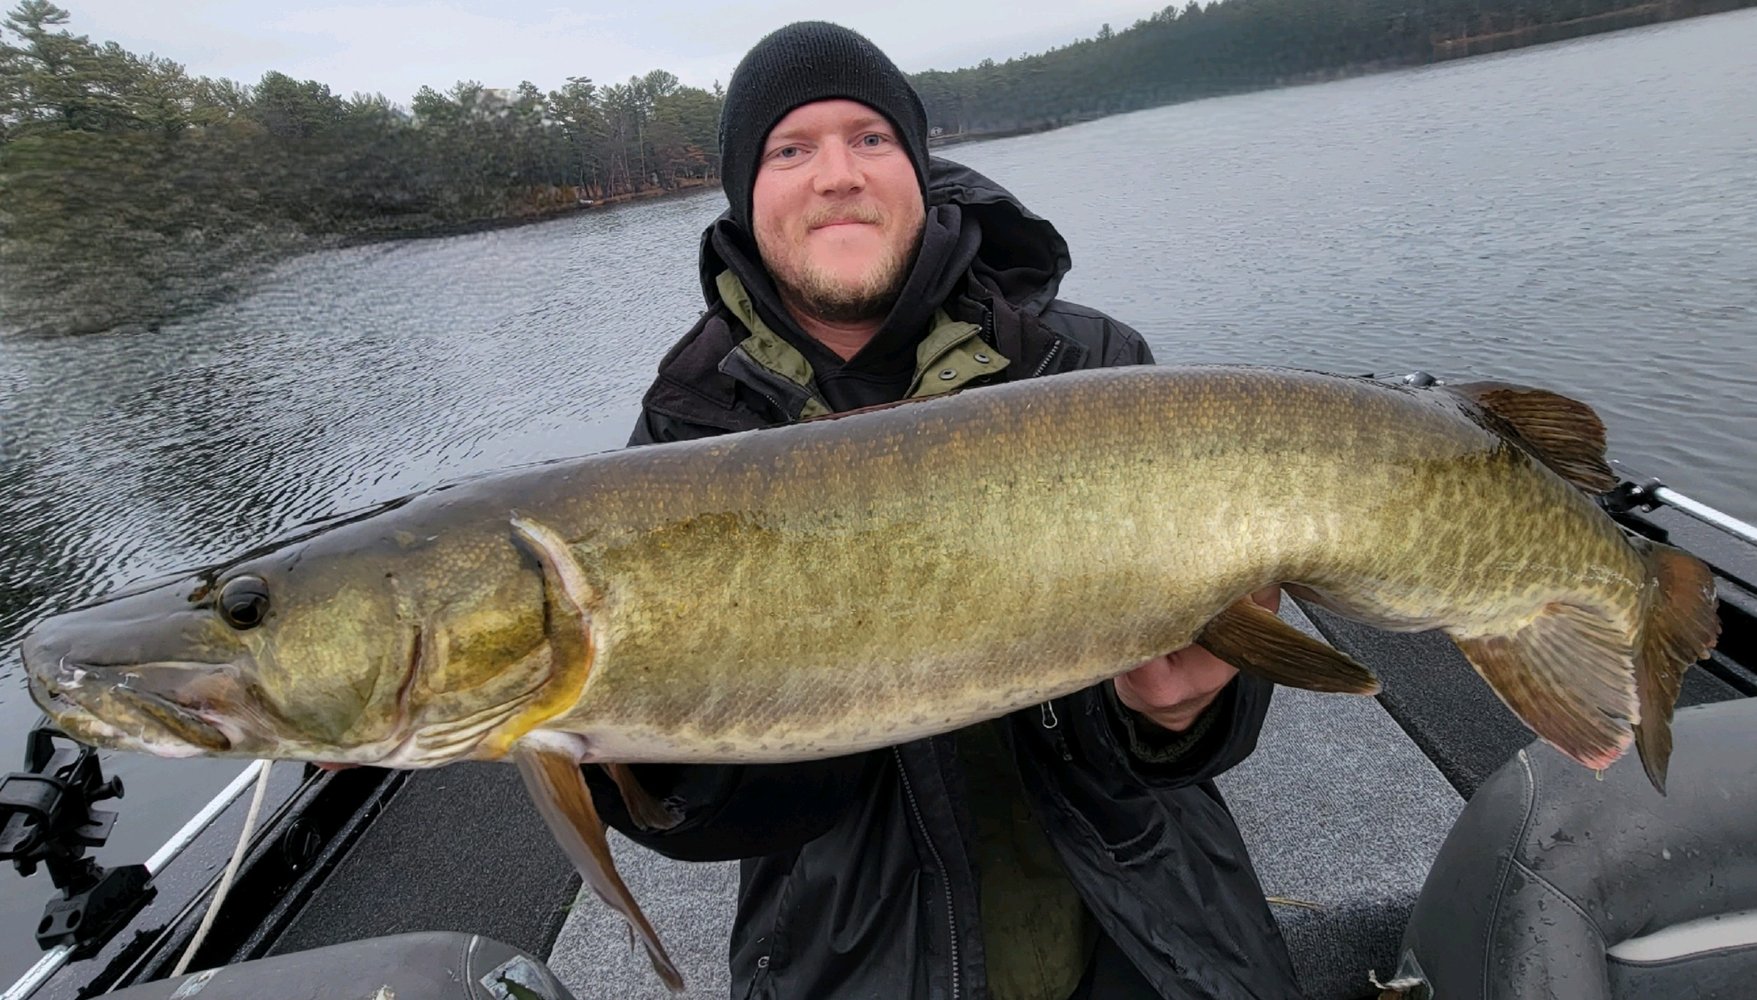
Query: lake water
{"points": [[1581, 216]]}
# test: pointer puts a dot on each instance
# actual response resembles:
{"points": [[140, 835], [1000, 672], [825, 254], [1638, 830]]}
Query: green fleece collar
{"points": [[951, 355]]}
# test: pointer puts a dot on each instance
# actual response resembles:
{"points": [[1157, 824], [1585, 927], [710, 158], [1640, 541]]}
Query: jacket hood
{"points": [[1021, 254]]}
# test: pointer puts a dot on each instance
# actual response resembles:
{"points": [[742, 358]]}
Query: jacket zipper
{"points": [[1055, 348], [772, 400], [1051, 723], [939, 862]]}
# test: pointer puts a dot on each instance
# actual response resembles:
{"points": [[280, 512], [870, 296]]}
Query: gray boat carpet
{"points": [[459, 848], [690, 904], [1344, 816]]}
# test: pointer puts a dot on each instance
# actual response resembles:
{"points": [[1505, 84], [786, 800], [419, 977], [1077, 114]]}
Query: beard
{"points": [[832, 299]]}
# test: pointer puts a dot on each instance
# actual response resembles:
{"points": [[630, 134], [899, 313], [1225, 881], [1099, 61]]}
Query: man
{"points": [[1076, 849]]}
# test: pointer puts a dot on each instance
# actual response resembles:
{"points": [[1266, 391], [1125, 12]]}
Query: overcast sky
{"points": [[394, 48]]}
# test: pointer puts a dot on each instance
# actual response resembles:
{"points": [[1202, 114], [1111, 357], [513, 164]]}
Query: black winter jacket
{"points": [[856, 876]]}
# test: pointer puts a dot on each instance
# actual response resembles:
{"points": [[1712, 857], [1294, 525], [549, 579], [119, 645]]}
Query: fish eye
{"points": [[244, 602]]}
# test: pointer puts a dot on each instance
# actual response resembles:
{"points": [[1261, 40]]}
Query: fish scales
{"points": [[842, 587]]}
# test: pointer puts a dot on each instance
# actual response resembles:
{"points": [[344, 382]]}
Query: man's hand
{"points": [[1173, 689]]}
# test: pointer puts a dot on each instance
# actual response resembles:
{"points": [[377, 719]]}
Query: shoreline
{"points": [[1533, 35], [538, 215], [281, 248]]}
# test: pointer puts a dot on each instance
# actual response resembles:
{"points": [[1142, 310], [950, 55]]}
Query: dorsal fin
{"points": [[1564, 434]]}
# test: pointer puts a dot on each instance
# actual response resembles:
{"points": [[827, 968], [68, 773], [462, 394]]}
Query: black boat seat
{"points": [[1343, 815], [429, 965], [1557, 884]]}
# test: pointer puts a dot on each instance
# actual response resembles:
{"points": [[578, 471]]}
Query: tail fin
{"points": [[1680, 628], [1564, 434], [1568, 674]]}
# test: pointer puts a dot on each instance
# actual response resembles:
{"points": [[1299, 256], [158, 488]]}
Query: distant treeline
{"points": [[131, 191], [1195, 51]]}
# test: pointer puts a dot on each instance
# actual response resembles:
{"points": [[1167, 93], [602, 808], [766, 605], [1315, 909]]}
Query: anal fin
{"points": [[647, 812], [1253, 639], [1569, 674], [559, 790]]}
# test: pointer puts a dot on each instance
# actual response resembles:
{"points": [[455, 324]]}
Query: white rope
{"points": [[213, 906]]}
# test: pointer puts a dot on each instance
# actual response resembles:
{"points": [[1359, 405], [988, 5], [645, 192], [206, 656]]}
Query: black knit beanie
{"points": [[801, 63]]}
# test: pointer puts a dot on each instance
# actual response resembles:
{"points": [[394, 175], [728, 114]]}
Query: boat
{"points": [[1397, 837]]}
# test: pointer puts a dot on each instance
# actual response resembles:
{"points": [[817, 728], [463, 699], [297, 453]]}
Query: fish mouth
{"points": [[107, 703]]}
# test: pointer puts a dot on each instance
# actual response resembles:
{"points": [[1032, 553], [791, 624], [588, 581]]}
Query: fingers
{"points": [[1268, 597]]}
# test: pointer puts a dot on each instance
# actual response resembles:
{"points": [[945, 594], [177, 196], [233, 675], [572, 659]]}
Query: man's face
{"points": [[837, 210]]}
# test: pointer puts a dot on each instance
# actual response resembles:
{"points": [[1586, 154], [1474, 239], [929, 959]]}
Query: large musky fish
{"points": [[849, 583]]}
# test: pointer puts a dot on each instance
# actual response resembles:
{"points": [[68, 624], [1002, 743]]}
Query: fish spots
{"points": [[882, 576]]}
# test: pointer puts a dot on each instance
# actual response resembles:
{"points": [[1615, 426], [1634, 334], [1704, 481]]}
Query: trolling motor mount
{"points": [[46, 817]]}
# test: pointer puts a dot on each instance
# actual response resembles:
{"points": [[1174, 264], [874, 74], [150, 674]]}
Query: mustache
{"points": [[848, 213]]}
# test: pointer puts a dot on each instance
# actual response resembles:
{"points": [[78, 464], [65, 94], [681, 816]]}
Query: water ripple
{"points": [[1580, 215]]}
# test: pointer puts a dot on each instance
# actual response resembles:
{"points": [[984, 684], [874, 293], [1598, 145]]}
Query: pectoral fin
{"points": [[561, 795], [1253, 639], [648, 812]]}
